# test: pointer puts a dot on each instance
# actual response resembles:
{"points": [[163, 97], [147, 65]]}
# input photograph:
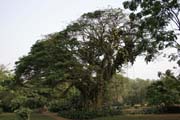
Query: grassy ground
{"points": [[143, 117], [9, 116]]}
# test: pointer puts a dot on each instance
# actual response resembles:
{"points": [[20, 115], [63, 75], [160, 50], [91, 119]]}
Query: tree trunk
{"points": [[99, 100], [100, 94]]}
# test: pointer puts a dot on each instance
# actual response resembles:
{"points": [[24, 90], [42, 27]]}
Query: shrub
{"points": [[144, 110], [152, 110], [66, 104], [23, 114], [1, 110], [89, 114], [171, 109], [56, 106]]}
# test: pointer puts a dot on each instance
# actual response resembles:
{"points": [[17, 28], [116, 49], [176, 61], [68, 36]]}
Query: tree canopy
{"points": [[157, 22]]}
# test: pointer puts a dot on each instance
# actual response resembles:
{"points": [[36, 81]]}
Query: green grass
{"points": [[11, 116], [143, 117]]}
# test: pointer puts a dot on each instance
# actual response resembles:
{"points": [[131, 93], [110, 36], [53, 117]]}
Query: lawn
{"points": [[10, 116], [143, 117]]}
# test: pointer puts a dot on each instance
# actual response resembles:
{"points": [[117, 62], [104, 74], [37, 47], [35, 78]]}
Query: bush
{"points": [[66, 104], [23, 114], [89, 114], [152, 110], [56, 106], [78, 114], [1, 110], [5, 102], [171, 109], [144, 110]]}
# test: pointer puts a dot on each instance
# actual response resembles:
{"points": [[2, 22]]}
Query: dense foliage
{"points": [[154, 20], [89, 114], [6, 83], [164, 92]]}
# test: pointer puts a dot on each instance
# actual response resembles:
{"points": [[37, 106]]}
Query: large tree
{"points": [[104, 46], [86, 55]]}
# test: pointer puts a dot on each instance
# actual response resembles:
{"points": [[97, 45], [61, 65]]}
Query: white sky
{"points": [[22, 22]]}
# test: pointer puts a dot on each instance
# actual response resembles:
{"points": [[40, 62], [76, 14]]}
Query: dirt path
{"points": [[54, 116]]}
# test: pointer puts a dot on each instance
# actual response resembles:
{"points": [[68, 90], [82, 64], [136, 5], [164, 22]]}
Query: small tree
{"points": [[164, 92], [23, 114], [6, 84]]}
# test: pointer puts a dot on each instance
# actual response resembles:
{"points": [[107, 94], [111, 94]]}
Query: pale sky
{"points": [[23, 22]]}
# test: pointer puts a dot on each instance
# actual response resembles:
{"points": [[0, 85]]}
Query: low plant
{"points": [[89, 114], [1, 110], [23, 113], [144, 110]]}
